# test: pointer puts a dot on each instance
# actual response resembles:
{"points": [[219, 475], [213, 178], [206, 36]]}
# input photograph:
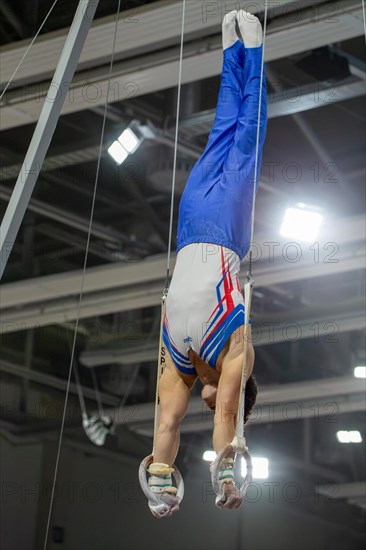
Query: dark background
{"points": [[308, 309]]}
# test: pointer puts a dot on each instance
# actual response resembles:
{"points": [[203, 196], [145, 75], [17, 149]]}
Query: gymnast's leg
{"points": [[246, 131], [236, 187], [228, 107]]}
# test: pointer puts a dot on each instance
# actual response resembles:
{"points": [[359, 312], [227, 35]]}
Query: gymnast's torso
{"points": [[204, 305]]}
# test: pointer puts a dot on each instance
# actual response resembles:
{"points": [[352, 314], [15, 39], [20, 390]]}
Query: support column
{"points": [[31, 267], [45, 128]]}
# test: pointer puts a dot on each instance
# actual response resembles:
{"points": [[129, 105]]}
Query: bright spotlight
{"points": [[129, 141], [209, 456], [360, 372], [260, 467], [352, 436], [117, 152], [301, 222]]}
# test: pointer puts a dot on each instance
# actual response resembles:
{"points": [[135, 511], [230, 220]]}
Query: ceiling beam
{"points": [[127, 286], [74, 221], [55, 162], [305, 98], [269, 249], [273, 412], [286, 402], [311, 96], [89, 154], [121, 299], [75, 242], [356, 489], [265, 331], [203, 59], [141, 30], [53, 381]]}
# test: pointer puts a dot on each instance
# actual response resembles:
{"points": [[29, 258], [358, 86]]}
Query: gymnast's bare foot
{"points": [[232, 498]]}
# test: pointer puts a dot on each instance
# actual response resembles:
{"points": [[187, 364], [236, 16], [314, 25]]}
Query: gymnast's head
{"points": [[209, 392]]}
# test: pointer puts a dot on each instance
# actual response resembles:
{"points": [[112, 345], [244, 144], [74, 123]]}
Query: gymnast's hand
{"points": [[171, 501], [232, 498]]}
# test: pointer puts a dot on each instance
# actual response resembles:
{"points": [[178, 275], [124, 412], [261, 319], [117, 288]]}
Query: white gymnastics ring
{"points": [[156, 503], [225, 452]]}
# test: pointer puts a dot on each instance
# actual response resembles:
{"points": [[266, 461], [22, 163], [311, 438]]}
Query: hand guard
{"points": [[159, 505], [97, 428]]}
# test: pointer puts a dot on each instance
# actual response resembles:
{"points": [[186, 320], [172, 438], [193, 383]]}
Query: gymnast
{"points": [[204, 318]]}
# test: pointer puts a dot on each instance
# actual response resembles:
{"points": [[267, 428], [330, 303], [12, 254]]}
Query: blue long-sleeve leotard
{"points": [[216, 206]]}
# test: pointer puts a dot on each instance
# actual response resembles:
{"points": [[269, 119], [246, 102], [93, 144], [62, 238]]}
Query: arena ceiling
{"points": [[308, 311]]}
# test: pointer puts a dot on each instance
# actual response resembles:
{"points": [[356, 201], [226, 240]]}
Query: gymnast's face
{"points": [[209, 396]]}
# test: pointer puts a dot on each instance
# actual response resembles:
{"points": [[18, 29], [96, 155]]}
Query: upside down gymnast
{"points": [[203, 328]]}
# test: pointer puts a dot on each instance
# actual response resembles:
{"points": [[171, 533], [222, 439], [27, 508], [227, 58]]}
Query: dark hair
{"points": [[251, 390]]}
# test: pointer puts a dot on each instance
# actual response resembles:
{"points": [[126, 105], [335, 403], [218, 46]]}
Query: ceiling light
{"points": [[360, 372], [301, 222], [129, 141], [352, 436], [209, 456], [117, 152], [260, 467]]}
